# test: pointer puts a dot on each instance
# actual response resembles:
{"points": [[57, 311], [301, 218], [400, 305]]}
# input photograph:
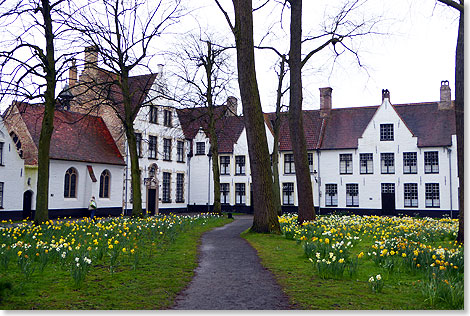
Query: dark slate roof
{"points": [[344, 126], [106, 85], [432, 126], [312, 125], [228, 128], [76, 137]]}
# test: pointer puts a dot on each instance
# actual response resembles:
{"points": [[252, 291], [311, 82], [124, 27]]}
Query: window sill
{"points": [[431, 172], [352, 205], [240, 174], [433, 207], [410, 173], [411, 206], [331, 206], [365, 173], [349, 173], [199, 154], [166, 159], [166, 201], [180, 201], [180, 161], [152, 158]]}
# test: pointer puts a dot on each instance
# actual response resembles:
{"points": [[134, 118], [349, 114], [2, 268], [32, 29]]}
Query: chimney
{"points": [[73, 74], [325, 101], [445, 102], [231, 106], [91, 57], [385, 95]]}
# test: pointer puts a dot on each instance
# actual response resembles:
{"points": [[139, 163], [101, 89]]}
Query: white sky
{"points": [[411, 61]]}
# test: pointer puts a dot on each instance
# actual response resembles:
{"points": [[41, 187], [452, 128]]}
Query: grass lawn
{"points": [[160, 275], [301, 281]]}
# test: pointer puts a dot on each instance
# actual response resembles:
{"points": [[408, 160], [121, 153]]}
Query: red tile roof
{"points": [[228, 128], [76, 137]]}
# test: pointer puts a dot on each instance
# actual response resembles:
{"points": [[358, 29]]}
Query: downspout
{"points": [[449, 152], [189, 172], [319, 182]]}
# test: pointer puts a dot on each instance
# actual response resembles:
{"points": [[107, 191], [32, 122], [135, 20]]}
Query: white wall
{"points": [[85, 187], [11, 173], [370, 184], [175, 133]]}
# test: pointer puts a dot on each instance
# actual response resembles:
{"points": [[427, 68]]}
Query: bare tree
{"points": [[205, 70], [122, 33], [265, 217], [459, 109], [31, 67]]}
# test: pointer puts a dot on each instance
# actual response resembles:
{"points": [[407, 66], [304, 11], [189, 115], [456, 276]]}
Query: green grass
{"points": [[153, 285], [296, 274]]}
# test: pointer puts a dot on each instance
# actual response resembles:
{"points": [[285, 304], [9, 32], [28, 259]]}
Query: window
{"points": [[153, 114], [224, 165], [166, 188], [1, 194], [388, 187], [17, 142], [138, 142], [288, 193], [167, 118], [411, 194], [366, 163], [432, 195], [331, 195], [167, 149], [310, 162], [1, 154], [180, 151], [345, 164], [239, 165], [200, 148], [386, 132], [70, 183], [179, 187], [387, 163], [225, 193], [431, 162], [104, 184], [240, 197], [352, 194], [410, 163], [289, 166], [153, 147]]}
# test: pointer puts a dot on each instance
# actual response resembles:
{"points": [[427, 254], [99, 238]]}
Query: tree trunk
{"points": [[459, 121], [276, 129], [47, 127], [306, 210], [265, 218], [131, 142]]}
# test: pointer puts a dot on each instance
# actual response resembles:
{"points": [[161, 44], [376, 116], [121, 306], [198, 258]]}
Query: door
{"points": [[152, 196], [27, 199], [388, 198]]}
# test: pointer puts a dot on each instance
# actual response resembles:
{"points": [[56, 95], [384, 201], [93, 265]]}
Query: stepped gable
{"points": [[432, 126], [312, 126], [76, 137], [345, 125], [228, 128]]}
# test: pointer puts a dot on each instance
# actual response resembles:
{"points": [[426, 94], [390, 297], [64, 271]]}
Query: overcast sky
{"points": [[415, 52]]}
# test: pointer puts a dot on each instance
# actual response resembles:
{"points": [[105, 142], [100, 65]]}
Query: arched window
{"points": [[104, 184], [70, 183]]}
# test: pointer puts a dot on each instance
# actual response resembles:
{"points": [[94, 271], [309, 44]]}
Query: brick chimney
{"points": [[445, 102], [231, 106], [91, 57], [73, 74], [325, 101]]}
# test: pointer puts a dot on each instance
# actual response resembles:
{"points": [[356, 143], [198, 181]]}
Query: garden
{"points": [[366, 262], [106, 263]]}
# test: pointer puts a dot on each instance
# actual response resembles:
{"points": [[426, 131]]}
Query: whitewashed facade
{"points": [[12, 173], [407, 186]]}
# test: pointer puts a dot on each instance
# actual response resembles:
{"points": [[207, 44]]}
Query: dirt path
{"points": [[230, 275]]}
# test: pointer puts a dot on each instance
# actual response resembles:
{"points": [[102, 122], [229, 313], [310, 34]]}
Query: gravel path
{"points": [[230, 275]]}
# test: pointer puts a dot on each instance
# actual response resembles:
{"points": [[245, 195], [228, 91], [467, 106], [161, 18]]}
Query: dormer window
{"points": [[167, 118], [386, 132]]}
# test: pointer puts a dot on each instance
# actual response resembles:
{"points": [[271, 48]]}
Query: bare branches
{"points": [[454, 4]]}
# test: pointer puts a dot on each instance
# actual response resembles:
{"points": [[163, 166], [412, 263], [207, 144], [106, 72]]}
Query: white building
{"points": [[84, 162], [11, 174], [390, 159]]}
